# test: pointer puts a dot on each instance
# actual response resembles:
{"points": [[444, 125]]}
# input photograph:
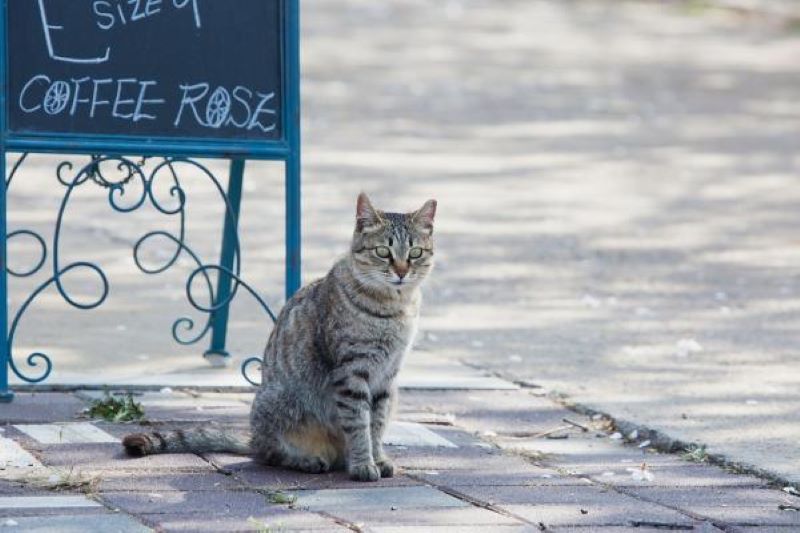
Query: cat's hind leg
{"points": [[283, 435]]}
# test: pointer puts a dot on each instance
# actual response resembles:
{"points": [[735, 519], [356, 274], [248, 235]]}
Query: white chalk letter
{"points": [[48, 28], [191, 101]]}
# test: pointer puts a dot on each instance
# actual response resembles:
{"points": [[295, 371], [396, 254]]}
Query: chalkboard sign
{"points": [[210, 74]]}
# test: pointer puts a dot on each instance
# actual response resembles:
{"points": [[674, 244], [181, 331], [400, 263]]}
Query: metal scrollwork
{"points": [[129, 188]]}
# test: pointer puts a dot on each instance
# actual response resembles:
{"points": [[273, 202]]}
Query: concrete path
{"points": [[618, 209], [481, 460]]}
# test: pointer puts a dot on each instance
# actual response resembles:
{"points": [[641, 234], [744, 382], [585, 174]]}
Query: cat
{"points": [[329, 368]]}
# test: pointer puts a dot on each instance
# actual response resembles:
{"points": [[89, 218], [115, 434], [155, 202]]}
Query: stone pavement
{"points": [[504, 460], [618, 192]]}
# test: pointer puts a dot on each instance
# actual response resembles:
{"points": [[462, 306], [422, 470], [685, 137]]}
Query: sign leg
{"points": [[293, 222], [216, 353], [5, 393]]}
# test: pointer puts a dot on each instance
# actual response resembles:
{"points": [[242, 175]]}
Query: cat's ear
{"points": [[366, 215], [424, 216]]}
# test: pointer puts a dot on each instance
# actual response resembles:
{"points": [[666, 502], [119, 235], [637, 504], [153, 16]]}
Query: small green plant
{"points": [[696, 454], [114, 409], [280, 498]]}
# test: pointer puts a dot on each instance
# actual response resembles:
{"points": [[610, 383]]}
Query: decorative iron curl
{"points": [[187, 324], [120, 200], [42, 255], [33, 358], [250, 362], [17, 164]]}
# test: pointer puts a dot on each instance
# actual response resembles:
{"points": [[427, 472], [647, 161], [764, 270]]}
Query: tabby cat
{"points": [[331, 360]]}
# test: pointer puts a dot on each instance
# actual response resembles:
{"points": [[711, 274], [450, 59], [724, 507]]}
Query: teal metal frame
{"points": [[286, 149]]}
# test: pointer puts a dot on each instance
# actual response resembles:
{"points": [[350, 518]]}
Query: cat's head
{"points": [[392, 250]]}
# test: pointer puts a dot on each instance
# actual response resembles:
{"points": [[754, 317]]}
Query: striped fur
{"points": [[331, 360]]}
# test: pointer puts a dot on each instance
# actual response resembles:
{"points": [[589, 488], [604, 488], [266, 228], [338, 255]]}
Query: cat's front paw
{"points": [[386, 467], [364, 472], [313, 465]]}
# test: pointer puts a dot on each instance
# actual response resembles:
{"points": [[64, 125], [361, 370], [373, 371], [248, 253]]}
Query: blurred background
{"points": [[618, 187]]}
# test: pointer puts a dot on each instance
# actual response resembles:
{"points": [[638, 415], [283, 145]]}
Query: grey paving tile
{"points": [[277, 478], [98, 457], [606, 514], [669, 475], [271, 519], [66, 433], [48, 501], [447, 458], [377, 498], [499, 411], [762, 529], [148, 481], [736, 506], [701, 527], [220, 503], [414, 434], [12, 455], [41, 407], [423, 517], [451, 529], [521, 474], [107, 522], [258, 475], [573, 505], [586, 455]]}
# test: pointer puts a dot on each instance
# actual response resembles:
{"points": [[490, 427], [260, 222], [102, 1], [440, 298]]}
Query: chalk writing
{"points": [[112, 13], [48, 37], [134, 99], [147, 67]]}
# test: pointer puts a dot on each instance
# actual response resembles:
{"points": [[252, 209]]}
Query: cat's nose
{"points": [[401, 269]]}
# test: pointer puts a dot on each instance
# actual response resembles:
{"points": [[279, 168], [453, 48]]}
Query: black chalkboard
{"points": [[177, 69]]}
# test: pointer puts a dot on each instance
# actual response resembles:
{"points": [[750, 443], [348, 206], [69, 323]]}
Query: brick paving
{"points": [[501, 460]]}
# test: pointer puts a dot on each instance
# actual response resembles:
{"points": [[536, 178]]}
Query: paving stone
{"points": [[685, 475], [762, 529], [498, 411], [45, 502], [258, 475], [12, 455], [701, 527], [378, 498], [447, 458], [98, 457], [173, 399], [450, 529], [221, 503], [605, 514], [108, 522], [410, 380], [589, 457], [38, 407], [739, 506], [147, 481], [224, 415], [523, 474], [66, 433], [561, 505], [277, 478], [271, 519], [413, 434], [423, 517]]}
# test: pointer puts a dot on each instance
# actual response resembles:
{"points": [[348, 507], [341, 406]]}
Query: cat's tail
{"points": [[196, 440]]}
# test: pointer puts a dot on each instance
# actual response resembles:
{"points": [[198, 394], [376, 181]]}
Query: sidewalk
{"points": [[503, 459], [618, 192]]}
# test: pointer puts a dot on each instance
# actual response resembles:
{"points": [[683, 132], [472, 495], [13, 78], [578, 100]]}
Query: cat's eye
{"points": [[415, 253], [383, 252]]}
